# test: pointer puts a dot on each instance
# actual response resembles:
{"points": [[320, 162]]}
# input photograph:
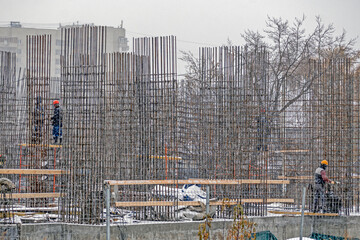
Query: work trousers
{"points": [[57, 133], [319, 197]]}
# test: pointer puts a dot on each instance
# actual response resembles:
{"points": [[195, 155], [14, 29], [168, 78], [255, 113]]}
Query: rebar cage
{"points": [[129, 116]]}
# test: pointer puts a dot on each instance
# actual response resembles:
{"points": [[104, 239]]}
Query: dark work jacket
{"points": [[318, 177], [263, 126], [38, 116], [57, 118]]}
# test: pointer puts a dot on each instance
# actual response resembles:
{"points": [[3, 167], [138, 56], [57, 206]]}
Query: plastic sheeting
{"points": [[319, 236], [265, 235]]}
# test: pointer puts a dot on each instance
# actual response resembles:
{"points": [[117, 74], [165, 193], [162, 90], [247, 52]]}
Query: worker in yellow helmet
{"points": [[319, 188]]}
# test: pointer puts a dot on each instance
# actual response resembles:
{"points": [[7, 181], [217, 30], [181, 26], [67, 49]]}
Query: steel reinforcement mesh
{"points": [[129, 116], [7, 130]]}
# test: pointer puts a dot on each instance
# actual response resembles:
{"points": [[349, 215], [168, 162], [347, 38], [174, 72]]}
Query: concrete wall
{"points": [[339, 226], [9, 231], [281, 227]]}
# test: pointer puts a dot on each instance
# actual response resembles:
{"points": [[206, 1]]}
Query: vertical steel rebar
{"points": [[302, 213]]}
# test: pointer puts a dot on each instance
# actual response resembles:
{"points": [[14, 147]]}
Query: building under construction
{"points": [[130, 121]]}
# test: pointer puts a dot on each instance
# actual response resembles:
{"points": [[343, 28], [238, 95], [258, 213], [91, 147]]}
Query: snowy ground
{"points": [[124, 216], [297, 238]]}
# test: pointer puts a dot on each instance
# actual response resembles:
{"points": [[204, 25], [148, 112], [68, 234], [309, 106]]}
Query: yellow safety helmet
{"points": [[324, 162]]}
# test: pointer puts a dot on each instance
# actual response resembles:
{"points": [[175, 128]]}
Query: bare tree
{"points": [[290, 48]]}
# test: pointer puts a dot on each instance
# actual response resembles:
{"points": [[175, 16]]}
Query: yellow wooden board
{"points": [[196, 181], [32, 195], [306, 177], [32, 171], [306, 213], [161, 157], [40, 145], [296, 177], [291, 151], [196, 203]]}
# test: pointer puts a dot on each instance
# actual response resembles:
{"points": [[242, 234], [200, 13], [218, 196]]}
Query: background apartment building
{"points": [[13, 39]]}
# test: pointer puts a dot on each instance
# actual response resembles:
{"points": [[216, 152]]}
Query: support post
{"points": [[116, 193], [207, 208], [207, 199], [107, 199], [302, 213]]}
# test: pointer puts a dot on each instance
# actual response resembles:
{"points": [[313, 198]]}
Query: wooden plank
{"points": [[280, 200], [165, 157], [40, 145], [146, 204], [33, 195], [296, 177], [291, 151], [196, 181], [32, 209], [306, 177], [33, 171], [161, 157], [270, 200], [306, 213], [196, 203], [255, 181]]}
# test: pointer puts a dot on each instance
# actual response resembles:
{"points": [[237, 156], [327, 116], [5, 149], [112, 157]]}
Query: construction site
{"points": [[145, 153]]}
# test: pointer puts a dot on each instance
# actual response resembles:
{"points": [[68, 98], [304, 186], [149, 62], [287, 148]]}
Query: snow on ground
{"points": [[297, 238]]}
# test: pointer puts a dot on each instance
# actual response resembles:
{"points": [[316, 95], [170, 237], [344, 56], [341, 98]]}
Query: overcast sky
{"points": [[196, 23]]}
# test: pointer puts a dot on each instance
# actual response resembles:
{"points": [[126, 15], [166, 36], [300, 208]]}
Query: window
{"points": [[8, 40]]}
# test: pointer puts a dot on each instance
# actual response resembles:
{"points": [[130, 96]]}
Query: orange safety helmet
{"points": [[324, 162], [55, 102]]}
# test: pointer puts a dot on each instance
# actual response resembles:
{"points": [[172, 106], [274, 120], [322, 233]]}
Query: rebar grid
{"points": [[38, 152], [7, 128], [334, 124], [84, 99], [128, 117], [120, 116], [233, 101], [224, 130], [30, 142], [7, 105]]}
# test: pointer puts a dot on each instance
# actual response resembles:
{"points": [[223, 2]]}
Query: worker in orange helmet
{"points": [[319, 188], [57, 122]]}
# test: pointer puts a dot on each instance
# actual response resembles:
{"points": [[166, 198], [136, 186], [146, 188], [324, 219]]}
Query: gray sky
{"points": [[195, 22]]}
